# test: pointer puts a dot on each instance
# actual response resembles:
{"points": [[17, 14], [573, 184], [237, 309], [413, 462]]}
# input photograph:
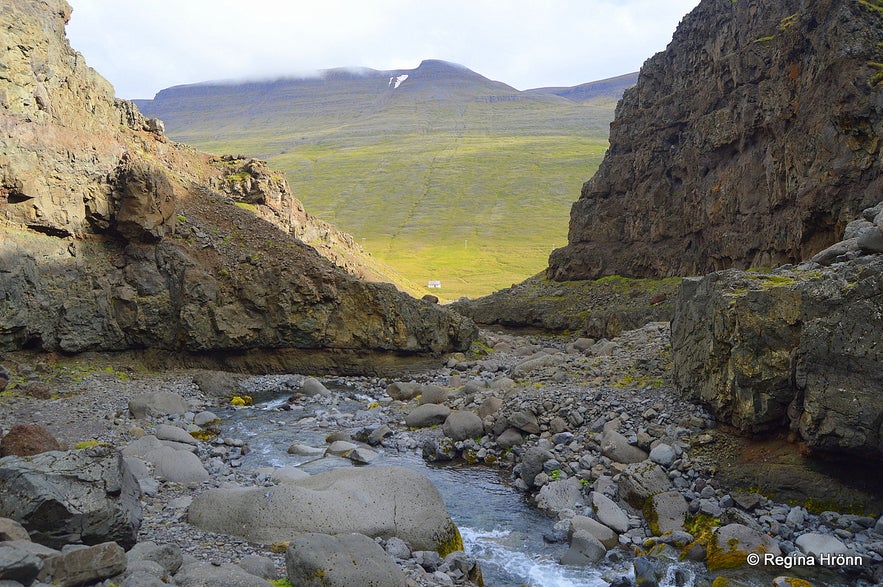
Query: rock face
{"points": [[798, 348], [749, 142], [87, 496], [115, 238]]}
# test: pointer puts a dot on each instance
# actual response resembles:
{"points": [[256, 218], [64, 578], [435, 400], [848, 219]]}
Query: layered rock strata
{"points": [[749, 142]]}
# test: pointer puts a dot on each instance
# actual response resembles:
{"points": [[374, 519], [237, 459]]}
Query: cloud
{"points": [[142, 47]]}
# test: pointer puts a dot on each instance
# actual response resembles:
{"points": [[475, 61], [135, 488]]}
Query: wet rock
{"points": [[305, 450], [462, 425], [27, 439], [343, 560], [608, 513], [441, 449], [91, 493]]}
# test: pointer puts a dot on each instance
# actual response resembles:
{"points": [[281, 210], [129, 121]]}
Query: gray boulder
{"points": [[427, 415], [12, 530], [259, 566], [641, 481], [403, 391], [668, 511], [175, 434], [203, 574], [525, 421], [178, 466], [391, 501], [616, 447], [510, 437], [663, 454], [731, 544], [604, 534], [489, 406], [168, 556], [432, 394], [815, 544], [83, 566], [161, 403], [288, 475], [557, 496], [462, 425], [532, 464], [345, 560], [312, 386], [609, 513], [91, 494], [18, 564], [584, 550]]}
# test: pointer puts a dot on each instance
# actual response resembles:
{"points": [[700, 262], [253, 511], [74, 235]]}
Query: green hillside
{"points": [[444, 175]]}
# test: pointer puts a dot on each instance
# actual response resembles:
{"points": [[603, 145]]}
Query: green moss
{"points": [[246, 206], [241, 176], [788, 22], [765, 39], [281, 583], [450, 543], [89, 444], [555, 475], [651, 516], [877, 77], [181, 218], [873, 5], [204, 435]]}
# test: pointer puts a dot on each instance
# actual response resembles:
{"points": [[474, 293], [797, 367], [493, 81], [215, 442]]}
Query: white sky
{"points": [[143, 46]]}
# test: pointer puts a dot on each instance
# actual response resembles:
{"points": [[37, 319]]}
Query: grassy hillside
{"points": [[448, 177]]}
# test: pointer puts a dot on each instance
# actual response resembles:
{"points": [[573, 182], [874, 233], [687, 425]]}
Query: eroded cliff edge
{"points": [[749, 142], [115, 238]]}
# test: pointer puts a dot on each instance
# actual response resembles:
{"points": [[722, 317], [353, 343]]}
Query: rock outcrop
{"points": [[115, 238], [798, 347], [750, 142]]}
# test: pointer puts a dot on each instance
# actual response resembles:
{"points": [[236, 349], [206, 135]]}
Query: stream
{"points": [[500, 527]]}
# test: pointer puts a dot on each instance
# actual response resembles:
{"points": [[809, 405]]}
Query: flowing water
{"points": [[500, 527]]}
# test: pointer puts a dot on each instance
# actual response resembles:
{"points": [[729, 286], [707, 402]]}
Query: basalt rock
{"points": [[114, 238], [750, 141]]}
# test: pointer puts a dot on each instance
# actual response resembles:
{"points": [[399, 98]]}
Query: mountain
{"points": [[114, 238], [749, 142], [438, 171], [610, 88]]}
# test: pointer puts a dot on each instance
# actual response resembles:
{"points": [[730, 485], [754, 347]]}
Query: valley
{"points": [[444, 176]]}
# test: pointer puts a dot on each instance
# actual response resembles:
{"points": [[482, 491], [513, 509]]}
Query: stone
{"points": [[616, 447], [427, 415], [668, 511], [178, 466], [362, 455], [345, 560], [287, 475], [640, 481], [490, 406], [219, 384], [870, 239], [584, 550], [175, 434], [312, 387], [305, 450], [731, 544], [203, 574], [815, 544], [5, 376], [91, 493], [168, 556], [259, 566], [18, 564], [397, 548], [604, 534], [432, 394], [378, 434], [392, 501], [510, 437], [525, 421], [160, 403], [84, 565], [204, 418], [557, 496], [403, 391], [340, 448], [609, 513], [12, 530], [462, 425], [532, 464], [27, 439], [663, 454]]}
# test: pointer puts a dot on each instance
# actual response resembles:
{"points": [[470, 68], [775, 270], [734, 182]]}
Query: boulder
{"points": [[584, 550], [91, 494], [525, 421], [177, 466], [815, 544], [305, 450], [427, 415], [12, 530], [175, 434], [5, 376], [168, 556], [604, 534], [532, 464], [432, 394], [616, 447], [391, 501], [312, 386], [510, 437], [204, 574], [462, 425], [489, 407], [83, 566], [160, 403], [27, 439], [219, 384], [557, 496], [344, 560], [259, 566], [641, 481], [609, 513], [403, 390], [287, 475], [731, 544], [18, 563], [666, 512], [663, 454]]}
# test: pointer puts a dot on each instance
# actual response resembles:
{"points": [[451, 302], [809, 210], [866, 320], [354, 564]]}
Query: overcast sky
{"points": [[143, 46]]}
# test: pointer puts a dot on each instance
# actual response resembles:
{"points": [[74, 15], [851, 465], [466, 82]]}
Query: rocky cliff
{"points": [[799, 348], [115, 238], [750, 141]]}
